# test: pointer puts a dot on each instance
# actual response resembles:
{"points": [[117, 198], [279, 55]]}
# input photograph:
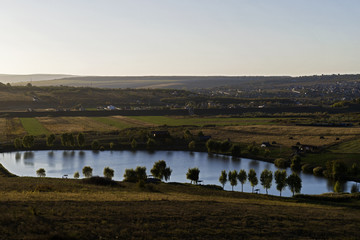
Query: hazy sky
{"points": [[180, 37]]}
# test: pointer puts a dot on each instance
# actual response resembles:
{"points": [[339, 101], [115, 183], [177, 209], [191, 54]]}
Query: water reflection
{"points": [[18, 157], [28, 155]]}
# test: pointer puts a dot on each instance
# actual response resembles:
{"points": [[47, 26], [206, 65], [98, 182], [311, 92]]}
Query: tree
{"points": [[133, 144], [266, 178], [80, 139], [296, 163], [339, 170], [280, 180], [76, 175], [67, 139], [188, 135], [108, 173], [130, 175], [50, 140], [233, 179], [294, 183], [41, 172], [225, 146], [235, 150], [18, 143], [141, 173], [223, 178], [28, 141], [242, 178], [252, 178], [95, 145], [160, 170], [87, 171], [337, 187], [193, 175], [192, 145]]}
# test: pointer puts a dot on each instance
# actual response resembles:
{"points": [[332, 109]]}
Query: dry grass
{"points": [[73, 124], [282, 134], [41, 208], [10, 129]]}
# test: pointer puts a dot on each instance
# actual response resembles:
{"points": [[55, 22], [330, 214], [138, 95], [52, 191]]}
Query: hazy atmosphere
{"points": [[187, 37]]}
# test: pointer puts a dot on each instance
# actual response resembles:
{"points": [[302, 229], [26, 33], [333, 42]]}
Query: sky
{"points": [[180, 37]]}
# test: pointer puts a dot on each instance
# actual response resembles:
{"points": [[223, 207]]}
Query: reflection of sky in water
{"points": [[59, 163]]}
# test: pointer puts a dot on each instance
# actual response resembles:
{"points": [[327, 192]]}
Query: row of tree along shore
{"points": [[161, 140]]}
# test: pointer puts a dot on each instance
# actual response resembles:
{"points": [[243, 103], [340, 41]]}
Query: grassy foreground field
{"points": [[43, 208]]}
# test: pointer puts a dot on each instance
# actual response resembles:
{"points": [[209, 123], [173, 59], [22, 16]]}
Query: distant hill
{"points": [[9, 78], [187, 82], [167, 82]]}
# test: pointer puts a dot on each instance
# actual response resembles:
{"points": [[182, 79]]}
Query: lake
{"points": [[59, 163]]}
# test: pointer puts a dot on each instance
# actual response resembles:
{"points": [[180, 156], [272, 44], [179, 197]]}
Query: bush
{"points": [[281, 163], [99, 181], [318, 171], [192, 145], [95, 145], [307, 168]]}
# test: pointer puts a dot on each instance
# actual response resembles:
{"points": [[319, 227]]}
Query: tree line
{"points": [[293, 181]]}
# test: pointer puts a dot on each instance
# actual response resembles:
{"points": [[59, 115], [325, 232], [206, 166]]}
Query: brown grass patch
{"points": [[73, 124]]}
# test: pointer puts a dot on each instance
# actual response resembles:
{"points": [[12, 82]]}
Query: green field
{"points": [[201, 121], [113, 122], [33, 127]]}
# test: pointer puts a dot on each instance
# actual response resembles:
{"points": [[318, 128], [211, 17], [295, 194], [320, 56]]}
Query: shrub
{"points": [[99, 181], [192, 145], [318, 171], [307, 168], [95, 145], [281, 163]]}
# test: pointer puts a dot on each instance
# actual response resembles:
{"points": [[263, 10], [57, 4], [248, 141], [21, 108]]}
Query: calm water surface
{"points": [[59, 163]]}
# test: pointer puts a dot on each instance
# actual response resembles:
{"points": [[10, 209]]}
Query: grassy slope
{"points": [[33, 126], [35, 208]]}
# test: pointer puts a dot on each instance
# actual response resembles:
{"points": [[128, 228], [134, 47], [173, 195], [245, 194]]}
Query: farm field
{"points": [[12, 129], [119, 122], [33, 127], [60, 125], [74, 209]]}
